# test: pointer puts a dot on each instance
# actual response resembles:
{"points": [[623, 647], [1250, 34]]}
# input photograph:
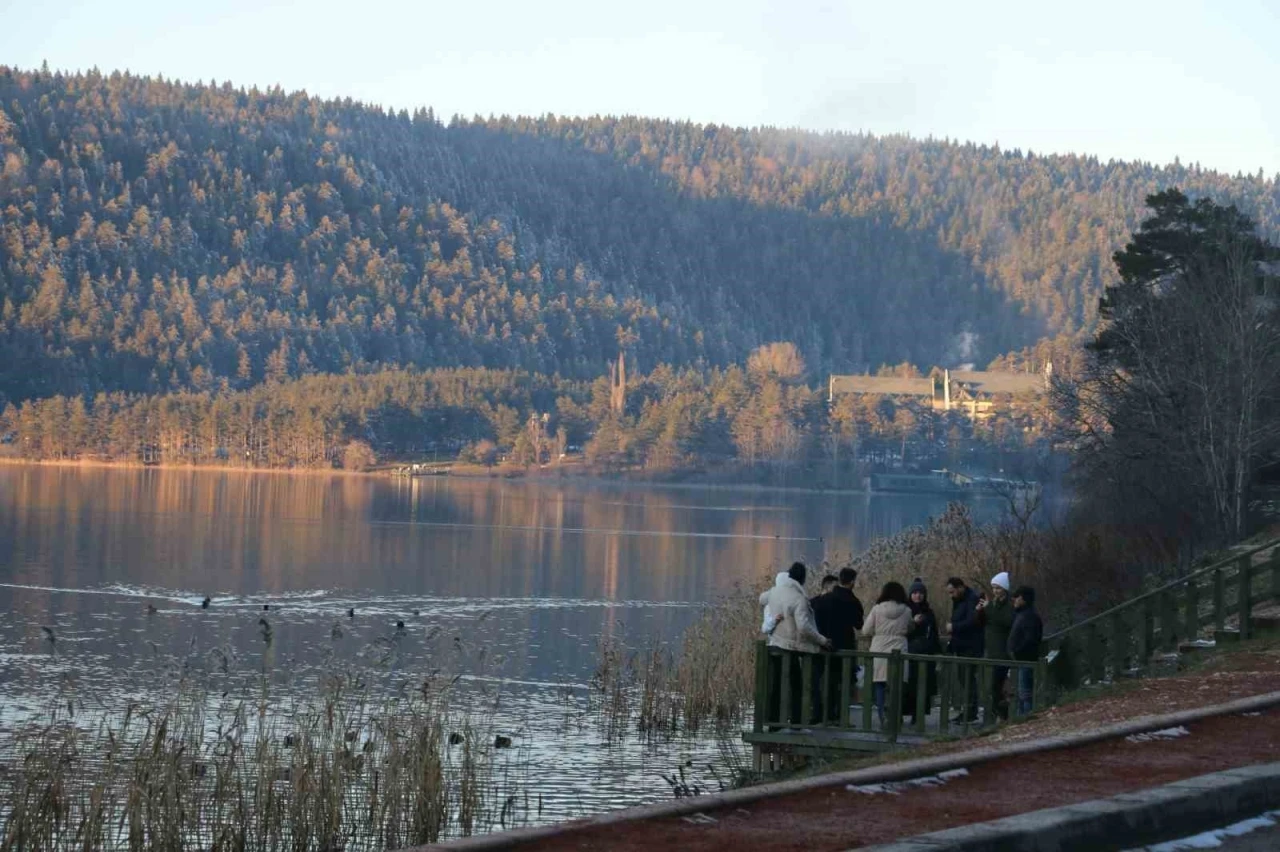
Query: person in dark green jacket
{"points": [[997, 621]]}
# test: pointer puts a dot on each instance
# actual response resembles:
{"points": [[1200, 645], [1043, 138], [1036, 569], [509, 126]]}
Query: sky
{"points": [[1150, 81]]}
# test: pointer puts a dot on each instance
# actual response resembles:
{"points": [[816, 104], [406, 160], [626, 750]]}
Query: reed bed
{"points": [[198, 770]]}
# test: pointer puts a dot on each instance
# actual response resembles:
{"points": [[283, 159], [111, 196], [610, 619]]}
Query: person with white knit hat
{"points": [[997, 621]]}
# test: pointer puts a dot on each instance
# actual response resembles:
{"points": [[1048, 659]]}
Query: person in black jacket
{"points": [[966, 637], [839, 613], [922, 638], [839, 616], [1024, 642]]}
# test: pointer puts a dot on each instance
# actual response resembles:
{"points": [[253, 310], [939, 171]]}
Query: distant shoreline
{"points": [[469, 473], [472, 473], [202, 468]]}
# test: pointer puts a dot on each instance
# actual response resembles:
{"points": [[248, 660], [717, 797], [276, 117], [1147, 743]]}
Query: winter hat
{"points": [[917, 585], [1001, 580]]}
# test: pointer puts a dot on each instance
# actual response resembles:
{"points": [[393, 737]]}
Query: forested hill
{"points": [[159, 236]]}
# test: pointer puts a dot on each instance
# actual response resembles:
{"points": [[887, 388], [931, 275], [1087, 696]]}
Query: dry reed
{"points": [[349, 770]]}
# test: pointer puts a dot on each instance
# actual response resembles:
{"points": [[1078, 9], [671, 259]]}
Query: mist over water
{"points": [[513, 585]]}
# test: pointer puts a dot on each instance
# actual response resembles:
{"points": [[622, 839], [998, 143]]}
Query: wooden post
{"points": [[894, 688], [1219, 599], [1245, 573], [1146, 632], [806, 684], [1118, 647], [762, 686], [1192, 614], [824, 689], [1275, 573], [846, 685], [1168, 622], [868, 671], [946, 674], [1039, 685], [784, 693], [922, 694], [967, 685], [1096, 665]]}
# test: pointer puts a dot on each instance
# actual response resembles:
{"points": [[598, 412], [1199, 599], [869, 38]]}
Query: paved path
{"points": [[837, 818]]}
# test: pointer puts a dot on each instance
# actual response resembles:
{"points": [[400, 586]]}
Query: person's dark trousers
{"points": [[775, 688], [831, 687], [1026, 689], [999, 675], [968, 674], [913, 690], [795, 689]]}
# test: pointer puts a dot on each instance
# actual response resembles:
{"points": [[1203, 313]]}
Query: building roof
{"points": [[888, 385], [1011, 383]]}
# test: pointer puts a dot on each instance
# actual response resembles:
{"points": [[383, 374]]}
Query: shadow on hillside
{"points": [[854, 291]]}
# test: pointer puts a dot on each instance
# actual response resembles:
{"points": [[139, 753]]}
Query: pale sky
{"points": [[1126, 80]]}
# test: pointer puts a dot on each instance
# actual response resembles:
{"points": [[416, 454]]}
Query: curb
{"points": [[901, 771], [1179, 809]]}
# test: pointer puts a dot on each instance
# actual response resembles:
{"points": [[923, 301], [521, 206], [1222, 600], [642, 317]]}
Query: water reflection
{"points": [[530, 574]]}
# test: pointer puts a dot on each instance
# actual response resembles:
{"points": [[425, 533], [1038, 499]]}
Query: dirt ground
{"points": [[834, 818]]}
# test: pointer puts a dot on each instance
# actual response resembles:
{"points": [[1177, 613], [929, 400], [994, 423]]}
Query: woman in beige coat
{"points": [[887, 624]]}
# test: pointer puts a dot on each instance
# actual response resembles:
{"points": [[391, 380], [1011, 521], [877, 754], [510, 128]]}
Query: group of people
{"points": [[1004, 626]]}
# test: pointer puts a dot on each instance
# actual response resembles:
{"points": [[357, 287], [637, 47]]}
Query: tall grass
{"points": [[197, 770]]}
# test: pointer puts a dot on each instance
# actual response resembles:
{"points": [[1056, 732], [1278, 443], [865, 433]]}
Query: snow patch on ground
{"points": [[1163, 734], [895, 788], [1213, 839]]}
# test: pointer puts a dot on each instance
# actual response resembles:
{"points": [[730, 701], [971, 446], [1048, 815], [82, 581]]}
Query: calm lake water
{"points": [[526, 577]]}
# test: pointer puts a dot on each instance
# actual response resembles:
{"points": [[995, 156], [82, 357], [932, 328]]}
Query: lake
{"points": [[525, 575]]}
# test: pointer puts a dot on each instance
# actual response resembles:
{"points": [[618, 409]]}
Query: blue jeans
{"points": [[1026, 689]]}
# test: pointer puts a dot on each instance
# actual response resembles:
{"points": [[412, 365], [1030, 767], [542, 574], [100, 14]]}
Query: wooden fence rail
{"points": [[809, 693], [1126, 638]]}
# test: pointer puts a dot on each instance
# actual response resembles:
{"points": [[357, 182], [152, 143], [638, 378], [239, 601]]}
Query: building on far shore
{"points": [[973, 392]]}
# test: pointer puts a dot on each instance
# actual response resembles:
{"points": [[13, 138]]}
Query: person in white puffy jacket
{"points": [[770, 620], [794, 630]]}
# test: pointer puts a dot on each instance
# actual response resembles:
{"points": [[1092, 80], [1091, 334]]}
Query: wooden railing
{"points": [[1125, 638], [830, 689]]}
